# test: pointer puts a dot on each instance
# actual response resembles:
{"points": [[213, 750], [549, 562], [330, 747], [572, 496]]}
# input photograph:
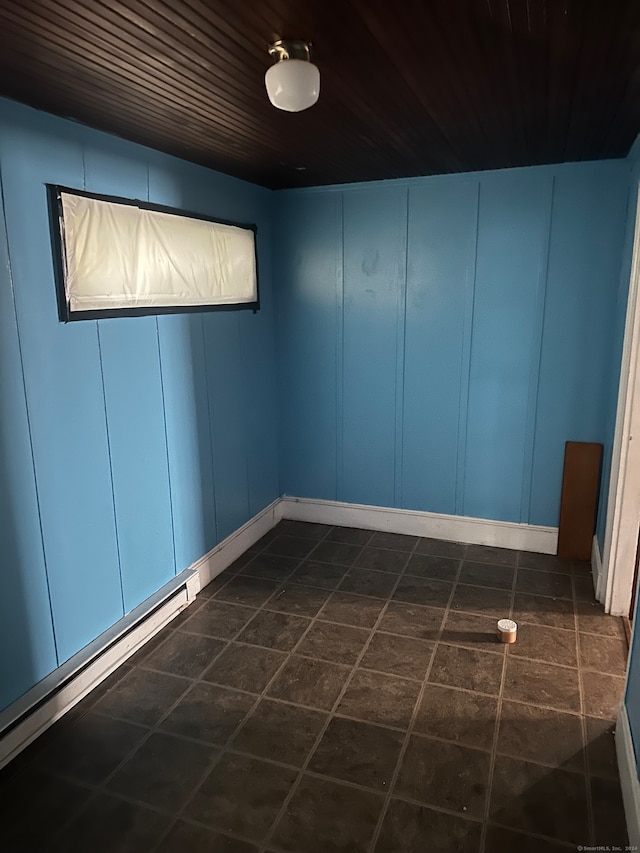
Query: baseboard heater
{"points": [[27, 718]]}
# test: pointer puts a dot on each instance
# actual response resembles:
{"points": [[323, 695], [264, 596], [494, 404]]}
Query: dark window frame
{"points": [[58, 247]]}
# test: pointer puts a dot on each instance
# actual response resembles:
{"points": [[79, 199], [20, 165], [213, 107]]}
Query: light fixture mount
{"points": [[290, 49], [293, 82]]}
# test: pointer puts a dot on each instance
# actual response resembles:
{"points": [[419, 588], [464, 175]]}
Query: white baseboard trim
{"points": [[56, 694], [30, 715], [220, 557], [476, 531], [628, 777], [596, 569]]}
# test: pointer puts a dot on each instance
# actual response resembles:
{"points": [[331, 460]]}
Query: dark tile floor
{"points": [[342, 690]]}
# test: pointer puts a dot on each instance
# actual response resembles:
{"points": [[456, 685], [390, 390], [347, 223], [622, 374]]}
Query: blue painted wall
{"points": [[438, 341], [129, 447], [441, 338]]}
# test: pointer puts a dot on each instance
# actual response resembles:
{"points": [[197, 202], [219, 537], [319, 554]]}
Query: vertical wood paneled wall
{"points": [[438, 340], [128, 447], [441, 338]]}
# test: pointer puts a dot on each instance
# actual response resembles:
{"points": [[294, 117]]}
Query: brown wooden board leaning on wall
{"points": [[579, 501]]}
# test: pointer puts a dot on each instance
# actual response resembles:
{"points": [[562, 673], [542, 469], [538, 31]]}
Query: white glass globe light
{"points": [[293, 84]]}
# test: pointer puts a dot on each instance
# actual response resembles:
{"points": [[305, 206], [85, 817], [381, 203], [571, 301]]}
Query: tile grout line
{"points": [[496, 732], [425, 577], [274, 825], [235, 639], [418, 640], [455, 688], [102, 787], [97, 787], [341, 716], [446, 611], [334, 589], [583, 722], [92, 708], [567, 600], [537, 836], [333, 713], [403, 749], [263, 694]]}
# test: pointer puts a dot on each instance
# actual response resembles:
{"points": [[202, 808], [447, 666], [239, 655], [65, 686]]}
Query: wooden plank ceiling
{"points": [[412, 87]]}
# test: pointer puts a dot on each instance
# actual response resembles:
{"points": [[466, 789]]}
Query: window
{"points": [[118, 257]]}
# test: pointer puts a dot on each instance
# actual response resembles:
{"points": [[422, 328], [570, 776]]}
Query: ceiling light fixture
{"points": [[293, 83]]}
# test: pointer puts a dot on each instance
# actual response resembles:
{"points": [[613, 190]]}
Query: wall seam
{"points": [[401, 345], [113, 491], [164, 419], [211, 442], [465, 371], [339, 489], [166, 449], [106, 424], [245, 415], [534, 377], [28, 417], [277, 336]]}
